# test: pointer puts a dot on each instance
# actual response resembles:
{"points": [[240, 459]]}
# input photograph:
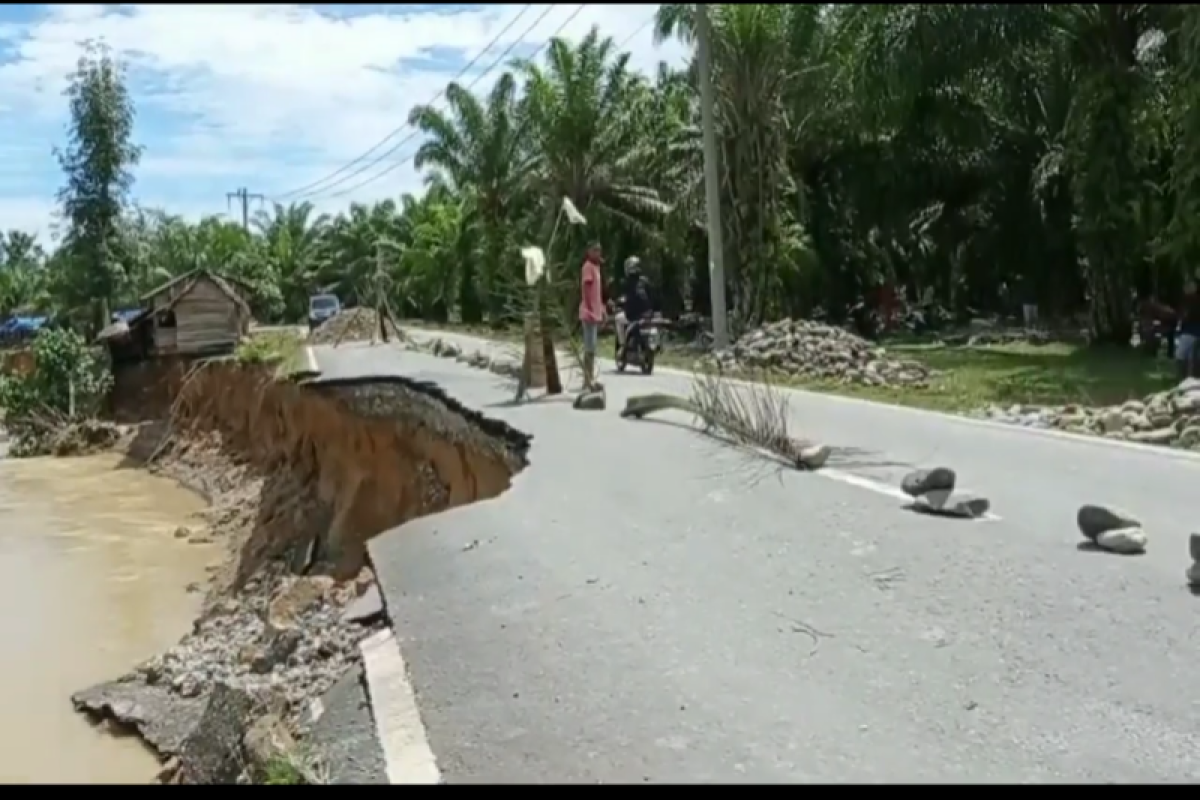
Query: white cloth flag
{"points": [[535, 264], [573, 215]]}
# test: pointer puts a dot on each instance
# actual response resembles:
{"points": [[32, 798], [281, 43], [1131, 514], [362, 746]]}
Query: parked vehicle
{"points": [[321, 307]]}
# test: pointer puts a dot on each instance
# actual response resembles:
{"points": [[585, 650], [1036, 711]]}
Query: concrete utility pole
{"points": [[712, 180], [243, 196]]}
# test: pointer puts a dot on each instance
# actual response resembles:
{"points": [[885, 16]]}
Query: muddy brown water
{"points": [[92, 581]]}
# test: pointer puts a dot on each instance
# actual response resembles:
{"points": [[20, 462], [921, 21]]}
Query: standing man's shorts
{"points": [[1184, 346], [591, 332]]}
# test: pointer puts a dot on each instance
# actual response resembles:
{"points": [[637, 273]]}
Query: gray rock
{"points": [[1095, 520], [1193, 575], [923, 481], [590, 401], [1125, 541], [1194, 546], [278, 647], [948, 504], [813, 456], [366, 609]]}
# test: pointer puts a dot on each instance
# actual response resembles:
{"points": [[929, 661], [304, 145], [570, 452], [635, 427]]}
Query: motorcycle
{"points": [[642, 345]]}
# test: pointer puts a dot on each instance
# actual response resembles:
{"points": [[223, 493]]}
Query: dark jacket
{"points": [[637, 297]]}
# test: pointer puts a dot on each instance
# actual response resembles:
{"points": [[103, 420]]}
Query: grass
{"points": [[1005, 375], [294, 769], [283, 349], [973, 377]]}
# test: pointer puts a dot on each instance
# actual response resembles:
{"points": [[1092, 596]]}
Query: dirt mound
{"points": [[353, 325]]}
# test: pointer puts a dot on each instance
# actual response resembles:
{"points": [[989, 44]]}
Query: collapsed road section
{"points": [[299, 476]]}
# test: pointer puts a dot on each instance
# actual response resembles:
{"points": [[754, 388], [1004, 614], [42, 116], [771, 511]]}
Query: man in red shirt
{"points": [[591, 312]]}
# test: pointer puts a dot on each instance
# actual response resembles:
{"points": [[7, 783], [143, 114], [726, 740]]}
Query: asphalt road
{"points": [[646, 606]]}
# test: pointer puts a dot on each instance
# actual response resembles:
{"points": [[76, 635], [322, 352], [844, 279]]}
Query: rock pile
{"points": [[353, 325], [504, 367], [1168, 418], [1112, 530], [276, 645], [932, 491], [815, 351], [282, 636]]}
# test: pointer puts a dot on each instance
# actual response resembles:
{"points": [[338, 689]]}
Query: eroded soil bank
{"points": [[299, 478]]}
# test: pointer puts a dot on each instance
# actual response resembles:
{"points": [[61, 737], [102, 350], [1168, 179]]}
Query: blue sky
{"points": [[272, 97]]}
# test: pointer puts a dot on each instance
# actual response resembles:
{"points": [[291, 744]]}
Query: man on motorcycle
{"points": [[635, 299]]}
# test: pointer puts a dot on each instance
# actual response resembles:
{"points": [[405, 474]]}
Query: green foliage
{"points": [[69, 383], [1052, 149], [97, 163]]}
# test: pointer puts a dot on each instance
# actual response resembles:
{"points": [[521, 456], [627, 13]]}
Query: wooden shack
{"points": [[198, 313]]}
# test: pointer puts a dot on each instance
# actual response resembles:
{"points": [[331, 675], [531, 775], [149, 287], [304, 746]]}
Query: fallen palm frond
{"points": [[750, 416]]}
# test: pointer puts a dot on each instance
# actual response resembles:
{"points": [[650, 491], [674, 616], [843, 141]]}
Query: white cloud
{"points": [[270, 96]]}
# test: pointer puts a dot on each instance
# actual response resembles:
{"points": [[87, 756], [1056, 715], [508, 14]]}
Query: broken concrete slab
{"points": [[213, 752], [365, 609], [161, 717], [948, 504], [344, 737]]}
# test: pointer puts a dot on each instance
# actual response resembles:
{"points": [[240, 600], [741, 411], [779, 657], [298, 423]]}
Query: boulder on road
{"points": [[590, 401], [923, 481], [813, 456], [1094, 520]]}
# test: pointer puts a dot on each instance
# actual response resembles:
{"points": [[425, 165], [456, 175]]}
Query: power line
{"points": [[313, 187], [491, 68], [397, 164]]}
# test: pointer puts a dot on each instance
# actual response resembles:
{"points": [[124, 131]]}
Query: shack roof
{"points": [[191, 278]]}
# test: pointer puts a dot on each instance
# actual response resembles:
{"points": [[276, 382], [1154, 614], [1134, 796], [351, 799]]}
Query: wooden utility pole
{"points": [[712, 178], [383, 309], [243, 196]]}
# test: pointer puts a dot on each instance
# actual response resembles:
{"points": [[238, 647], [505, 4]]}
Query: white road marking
{"points": [[407, 755]]}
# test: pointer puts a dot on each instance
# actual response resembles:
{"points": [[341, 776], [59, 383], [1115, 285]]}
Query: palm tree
{"points": [[475, 147], [291, 245]]}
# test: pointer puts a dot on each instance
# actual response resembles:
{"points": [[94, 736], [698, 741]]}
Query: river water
{"points": [[92, 581]]}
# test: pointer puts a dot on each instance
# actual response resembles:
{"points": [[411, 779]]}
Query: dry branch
{"points": [[751, 417]]}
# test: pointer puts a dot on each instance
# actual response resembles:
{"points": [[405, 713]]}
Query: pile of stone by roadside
{"points": [[506, 367], [265, 652], [1170, 418], [353, 325], [815, 351]]}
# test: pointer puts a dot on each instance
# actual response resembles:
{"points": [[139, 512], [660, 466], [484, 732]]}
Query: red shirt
{"points": [[591, 299]]}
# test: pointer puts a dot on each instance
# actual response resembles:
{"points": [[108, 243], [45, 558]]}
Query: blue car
{"points": [[320, 308]]}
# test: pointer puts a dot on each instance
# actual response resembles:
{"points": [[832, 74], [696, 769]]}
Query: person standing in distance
{"points": [[591, 312]]}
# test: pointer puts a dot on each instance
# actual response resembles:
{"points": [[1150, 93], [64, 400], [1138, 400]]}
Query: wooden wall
{"points": [[206, 320]]}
